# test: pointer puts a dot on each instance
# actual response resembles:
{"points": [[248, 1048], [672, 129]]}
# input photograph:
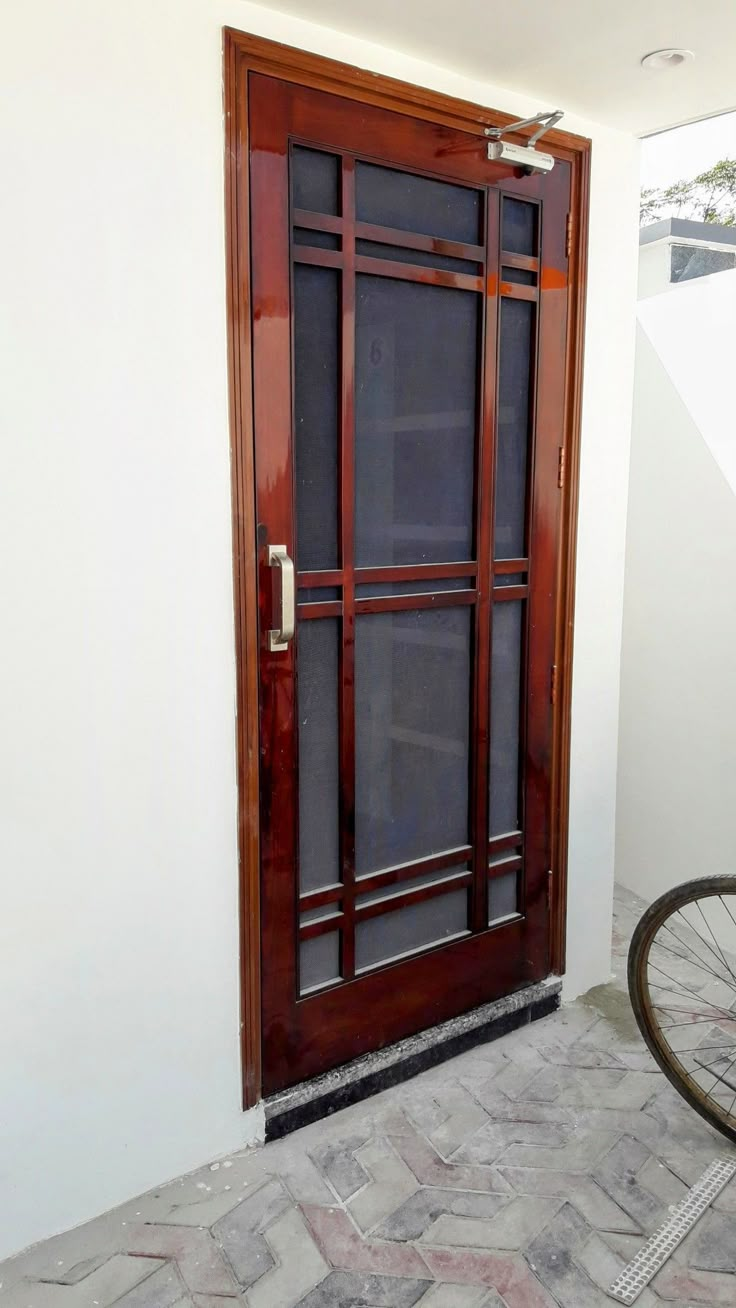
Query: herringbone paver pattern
{"points": [[523, 1174]]}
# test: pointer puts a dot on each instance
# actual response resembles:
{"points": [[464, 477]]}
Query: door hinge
{"points": [[549, 890], [561, 467], [568, 235], [553, 685]]}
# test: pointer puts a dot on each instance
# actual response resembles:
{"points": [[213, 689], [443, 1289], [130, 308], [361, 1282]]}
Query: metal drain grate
{"points": [[628, 1286]]}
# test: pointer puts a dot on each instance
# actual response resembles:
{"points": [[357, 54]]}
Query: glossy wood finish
{"points": [[455, 144]]}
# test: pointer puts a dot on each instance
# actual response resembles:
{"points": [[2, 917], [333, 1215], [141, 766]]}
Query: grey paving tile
{"points": [[240, 1234], [511, 1228], [711, 1247], [618, 1175], [413, 1217], [336, 1160], [551, 1256], [358, 1290]]}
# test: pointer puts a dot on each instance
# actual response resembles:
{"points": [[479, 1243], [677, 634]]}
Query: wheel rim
{"points": [[687, 983]]}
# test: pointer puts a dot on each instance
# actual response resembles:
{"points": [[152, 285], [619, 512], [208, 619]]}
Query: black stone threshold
{"points": [[369, 1075]]}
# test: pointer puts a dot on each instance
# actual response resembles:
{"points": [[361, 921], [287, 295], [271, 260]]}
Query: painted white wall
{"points": [[119, 951], [654, 269], [677, 748]]}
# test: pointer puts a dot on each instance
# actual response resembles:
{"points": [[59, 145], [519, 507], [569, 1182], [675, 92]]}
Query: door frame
{"points": [[245, 54]]}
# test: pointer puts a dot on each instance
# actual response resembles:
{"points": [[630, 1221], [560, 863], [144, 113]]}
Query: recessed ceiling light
{"points": [[660, 59]]}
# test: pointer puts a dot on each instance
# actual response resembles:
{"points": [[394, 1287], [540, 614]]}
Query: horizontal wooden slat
{"points": [[515, 291], [509, 840], [525, 261], [440, 599], [389, 876], [313, 579], [511, 864], [412, 896], [321, 926], [407, 272], [319, 609], [317, 222], [502, 567], [318, 898], [323, 258], [414, 241], [413, 572], [509, 593]]}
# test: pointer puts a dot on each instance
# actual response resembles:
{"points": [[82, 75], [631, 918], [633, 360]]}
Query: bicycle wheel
{"points": [[682, 984]]}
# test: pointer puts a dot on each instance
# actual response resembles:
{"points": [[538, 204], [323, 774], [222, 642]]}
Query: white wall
{"points": [[677, 751], [119, 945]]}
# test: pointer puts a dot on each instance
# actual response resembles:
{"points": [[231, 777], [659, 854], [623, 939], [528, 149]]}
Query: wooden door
{"points": [[409, 304]]}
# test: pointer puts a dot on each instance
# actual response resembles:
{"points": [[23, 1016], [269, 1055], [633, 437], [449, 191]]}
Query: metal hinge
{"points": [[568, 235], [561, 467], [553, 685], [549, 890]]}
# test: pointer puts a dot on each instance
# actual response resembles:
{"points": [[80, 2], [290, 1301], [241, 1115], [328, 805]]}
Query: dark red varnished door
{"points": [[409, 324]]}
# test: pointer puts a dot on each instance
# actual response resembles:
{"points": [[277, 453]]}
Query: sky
{"points": [[686, 151]]}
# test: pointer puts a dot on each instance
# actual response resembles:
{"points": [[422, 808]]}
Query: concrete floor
{"points": [[524, 1173]]}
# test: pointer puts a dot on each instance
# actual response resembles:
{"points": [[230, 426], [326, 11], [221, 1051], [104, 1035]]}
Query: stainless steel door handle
{"points": [[278, 639]]}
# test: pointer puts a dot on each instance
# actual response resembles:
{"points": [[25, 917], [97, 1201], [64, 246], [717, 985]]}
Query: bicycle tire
{"points": [[655, 917]]}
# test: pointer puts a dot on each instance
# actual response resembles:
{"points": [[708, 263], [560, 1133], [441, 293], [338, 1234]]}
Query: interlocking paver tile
{"points": [[603, 1265], [104, 1286], [488, 1144], [510, 1277], [390, 1183], [687, 1286], [618, 1174], [241, 1233], [431, 1169], [711, 1246], [345, 1248], [582, 1192], [511, 1228], [337, 1161], [358, 1290], [299, 1265], [551, 1256], [196, 1254], [412, 1218]]}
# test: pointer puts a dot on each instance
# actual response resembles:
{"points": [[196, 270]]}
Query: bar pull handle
{"points": [[278, 639]]}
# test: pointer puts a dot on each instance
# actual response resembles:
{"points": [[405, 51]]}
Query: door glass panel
{"points": [[522, 276], [319, 838], [317, 594], [505, 716], [390, 198], [519, 227], [415, 420], [415, 926], [315, 180], [514, 410], [323, 240], [502, 896], [316, 309], [412, 711], [319, 960]]}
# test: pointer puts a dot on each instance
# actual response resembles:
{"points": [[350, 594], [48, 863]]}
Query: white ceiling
{"points": [[579, 55]]}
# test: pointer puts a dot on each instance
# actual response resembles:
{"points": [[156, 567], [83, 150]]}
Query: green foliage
{"points": [[709, 198]]}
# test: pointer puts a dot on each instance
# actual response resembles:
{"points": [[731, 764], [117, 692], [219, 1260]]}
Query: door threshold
{"points": [[287, 1110]]}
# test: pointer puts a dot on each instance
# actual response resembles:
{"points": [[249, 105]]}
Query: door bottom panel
{"points": [[323, 1095]]}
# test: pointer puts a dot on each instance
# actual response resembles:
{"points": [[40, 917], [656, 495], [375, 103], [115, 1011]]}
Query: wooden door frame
{"points": [[244, 54]]}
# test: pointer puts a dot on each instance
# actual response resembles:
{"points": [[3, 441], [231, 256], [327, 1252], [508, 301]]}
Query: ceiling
{"points": [[579, 55]]}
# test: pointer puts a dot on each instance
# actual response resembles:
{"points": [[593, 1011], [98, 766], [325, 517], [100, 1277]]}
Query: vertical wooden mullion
{"points": [[347, 560], [485, 485]]}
